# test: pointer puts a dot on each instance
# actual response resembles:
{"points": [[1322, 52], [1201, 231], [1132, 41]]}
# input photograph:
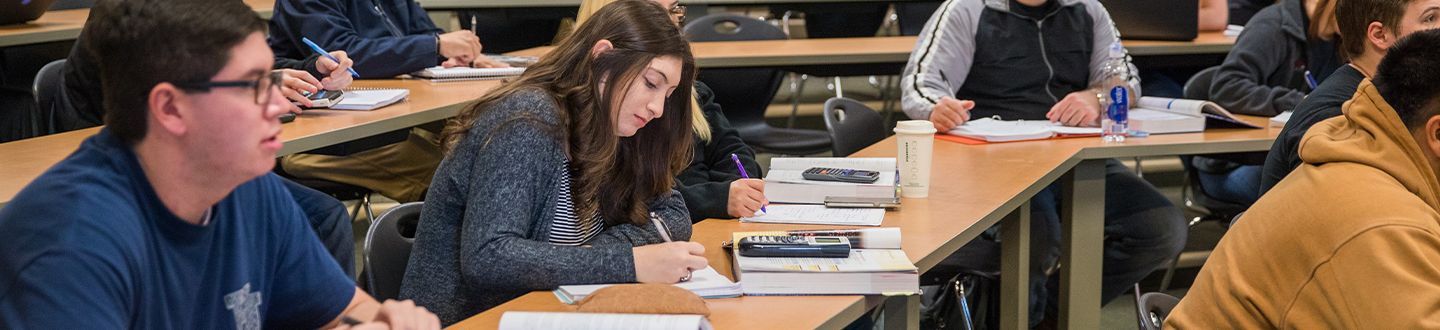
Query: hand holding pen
{"points": [[746, 195]]}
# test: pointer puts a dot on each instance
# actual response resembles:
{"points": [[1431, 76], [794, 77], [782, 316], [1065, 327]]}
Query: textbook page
{"points": [[819, 215], [706, 283], [600, 321]]}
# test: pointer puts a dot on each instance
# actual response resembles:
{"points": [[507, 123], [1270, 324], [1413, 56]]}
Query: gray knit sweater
{"points": [[482, 237]]}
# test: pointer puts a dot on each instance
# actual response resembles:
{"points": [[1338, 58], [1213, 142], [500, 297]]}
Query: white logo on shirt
{"points": [[246, 306]]}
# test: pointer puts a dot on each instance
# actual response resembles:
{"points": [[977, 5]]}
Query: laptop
{"points": [[1155, 19], [21, 11]]}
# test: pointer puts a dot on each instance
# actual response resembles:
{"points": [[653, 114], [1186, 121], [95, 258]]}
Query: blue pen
{"points": [[1310, 79], [743, 174], [326, 54]]}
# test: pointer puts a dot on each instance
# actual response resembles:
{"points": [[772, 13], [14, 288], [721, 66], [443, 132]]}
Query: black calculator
{"points": [[841, 175], [790, 246]]}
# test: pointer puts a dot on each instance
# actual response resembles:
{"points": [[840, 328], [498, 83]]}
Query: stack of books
{"points": [[786, 183], [876, 265]]}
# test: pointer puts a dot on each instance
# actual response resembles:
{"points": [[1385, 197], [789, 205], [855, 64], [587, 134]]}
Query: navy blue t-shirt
{"points": [[89, 245]]}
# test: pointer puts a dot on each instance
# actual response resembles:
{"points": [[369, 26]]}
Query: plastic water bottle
{"points": [[1115, 98]]}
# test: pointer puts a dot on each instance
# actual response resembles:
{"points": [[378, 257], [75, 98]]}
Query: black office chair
{"points": [[852, 126], [911, 16], [747, 92], [1152, 308], [387, 249], [839, 20], [1198, 88], [49, 98]]}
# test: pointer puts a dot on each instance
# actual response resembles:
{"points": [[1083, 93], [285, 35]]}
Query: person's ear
{"points": [[1379, 35], [166, 108], [1432, 136], [600, 47]]}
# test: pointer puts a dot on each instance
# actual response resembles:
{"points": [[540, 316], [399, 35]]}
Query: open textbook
{"points": [[705, 283], [1158, 115], [996, 130]]}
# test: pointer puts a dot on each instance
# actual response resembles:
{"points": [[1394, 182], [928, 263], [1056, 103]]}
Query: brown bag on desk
{"points": [[644, 299]]}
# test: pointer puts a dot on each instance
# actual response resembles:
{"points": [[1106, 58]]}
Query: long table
{"points": [[879, 50], [961, 205], [27, 159], [62, 25]]}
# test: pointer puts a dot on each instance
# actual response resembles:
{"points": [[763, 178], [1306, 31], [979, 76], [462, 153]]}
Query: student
{"points": [[1375, 25], [83, 97], [951, 78], [712, 185], [564, 175], [1265, 73], [168, 218], [1351, 238], [1241, 11], [388, 38], [1213, 15]]}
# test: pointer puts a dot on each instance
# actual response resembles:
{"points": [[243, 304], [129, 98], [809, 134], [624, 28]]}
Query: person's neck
{"points": [[1366, 63], [187, 191], [1032, 3]]}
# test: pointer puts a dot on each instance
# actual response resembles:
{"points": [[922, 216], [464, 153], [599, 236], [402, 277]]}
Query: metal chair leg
{"points": [[797, 86]]}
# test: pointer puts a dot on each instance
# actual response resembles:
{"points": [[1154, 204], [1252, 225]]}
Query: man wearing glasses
{"points": [[168, 218]]}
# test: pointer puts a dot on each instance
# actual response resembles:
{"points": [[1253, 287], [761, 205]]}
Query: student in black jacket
{"points": [[712, 185]]}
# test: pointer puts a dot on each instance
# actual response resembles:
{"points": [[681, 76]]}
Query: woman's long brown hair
{"points": [[631, 171]]}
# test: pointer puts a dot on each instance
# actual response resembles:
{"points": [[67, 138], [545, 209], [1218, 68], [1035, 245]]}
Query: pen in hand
{"points": [[665, 235], [326, 54], [744, 175]]}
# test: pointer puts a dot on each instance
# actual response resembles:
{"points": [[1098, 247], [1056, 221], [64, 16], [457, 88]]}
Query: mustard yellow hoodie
{"points": [[1350, 240]]}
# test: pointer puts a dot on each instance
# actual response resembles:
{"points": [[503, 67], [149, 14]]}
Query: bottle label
{"points": [[1119, 104]]}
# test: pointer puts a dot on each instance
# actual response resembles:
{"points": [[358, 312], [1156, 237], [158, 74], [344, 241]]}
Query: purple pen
{"points": [[743, 174]]}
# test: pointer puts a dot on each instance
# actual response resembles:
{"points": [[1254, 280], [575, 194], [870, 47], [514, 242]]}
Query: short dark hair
{"points": [[141, 43], [1407, 77], [1354, 17]]}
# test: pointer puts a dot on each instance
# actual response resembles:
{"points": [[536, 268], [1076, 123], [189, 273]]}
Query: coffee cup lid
{"points": [[915, 127]]}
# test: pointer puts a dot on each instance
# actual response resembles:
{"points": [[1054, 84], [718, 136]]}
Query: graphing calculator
{"points": [[841, 175], [795, 246]]}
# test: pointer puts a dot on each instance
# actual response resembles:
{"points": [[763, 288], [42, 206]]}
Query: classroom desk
{"points": [[62, 25], [877, 50], [958, 209], [27, 159]]}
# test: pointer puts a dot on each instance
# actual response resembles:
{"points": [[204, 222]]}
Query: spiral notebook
{"points": [[362, 99], [439, 74]]}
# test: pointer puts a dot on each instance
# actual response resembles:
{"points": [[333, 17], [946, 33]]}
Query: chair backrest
{"points": [[1198, 86], [852, 126], [744, 93], [387, 249], [731, 27], [49, 96], [1152, 308]]}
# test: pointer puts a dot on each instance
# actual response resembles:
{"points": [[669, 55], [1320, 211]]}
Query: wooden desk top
{"points": [[871, 50], [27, 159], [961, 205], [61, 25]]}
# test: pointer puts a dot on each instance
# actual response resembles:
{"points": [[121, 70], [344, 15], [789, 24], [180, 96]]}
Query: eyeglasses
{"points": [[261, 86], [678, 11]]}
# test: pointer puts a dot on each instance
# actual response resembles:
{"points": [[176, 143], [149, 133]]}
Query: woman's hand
{"points": [[668, 263]]}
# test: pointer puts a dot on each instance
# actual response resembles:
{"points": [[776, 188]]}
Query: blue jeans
{"points": [[1240, 186], [1142, 231], [329, 220]]}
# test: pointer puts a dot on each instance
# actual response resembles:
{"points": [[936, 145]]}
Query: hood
{"points": [[1371, 134]]}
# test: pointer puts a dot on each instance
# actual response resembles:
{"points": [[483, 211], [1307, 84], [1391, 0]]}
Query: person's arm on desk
{"points": [[938, 67], [365, 312], [325, 22]]}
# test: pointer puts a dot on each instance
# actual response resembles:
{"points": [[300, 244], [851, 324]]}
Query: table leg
{"points": [[902, 312], [1015, 269], [1083, 212]]}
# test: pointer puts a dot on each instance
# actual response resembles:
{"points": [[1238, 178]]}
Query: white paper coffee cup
{"points": [[917, 144]]}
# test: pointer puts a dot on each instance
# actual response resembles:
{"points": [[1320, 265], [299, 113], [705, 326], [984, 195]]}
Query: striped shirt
{"points": [[567, 228]]}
